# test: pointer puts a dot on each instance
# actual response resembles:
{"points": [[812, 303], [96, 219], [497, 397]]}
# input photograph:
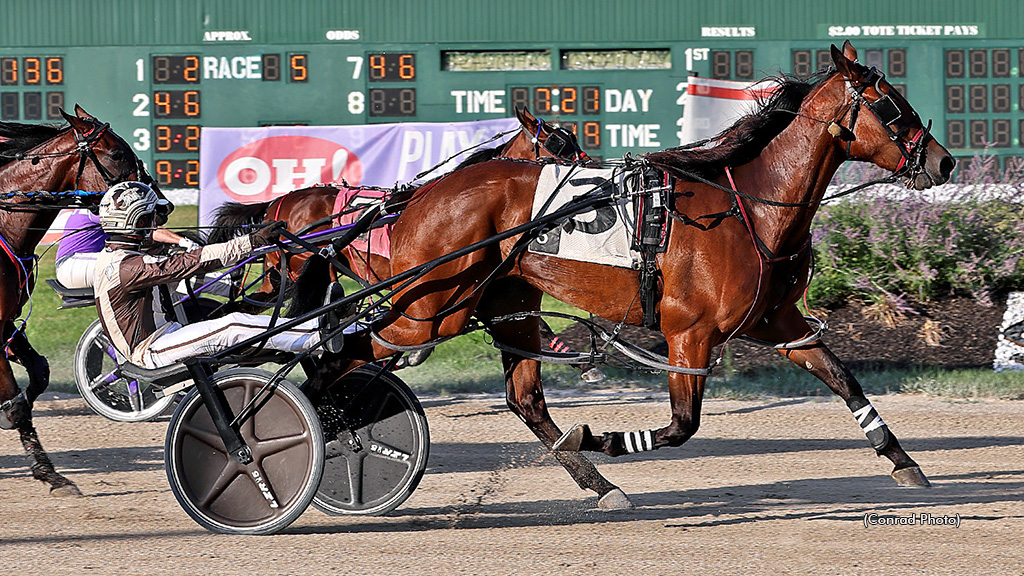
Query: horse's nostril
{"points": [[946, 166]]}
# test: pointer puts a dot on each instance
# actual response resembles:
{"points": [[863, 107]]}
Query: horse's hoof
{"points": [[911, 477], [614, 500], [65, 491], [571, 440]]}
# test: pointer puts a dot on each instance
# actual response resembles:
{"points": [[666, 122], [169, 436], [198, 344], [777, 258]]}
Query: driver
{"points": [[126, 275]]}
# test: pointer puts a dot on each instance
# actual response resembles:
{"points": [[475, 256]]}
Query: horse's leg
{"points": [[524, 393], [17, 412], [686, 392], [36, 365], [787, 325]]}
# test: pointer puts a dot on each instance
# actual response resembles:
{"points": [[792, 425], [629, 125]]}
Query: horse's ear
{"points": [[849, 51], [526, 119], [81, 113], [843, 64], [77, 124]]}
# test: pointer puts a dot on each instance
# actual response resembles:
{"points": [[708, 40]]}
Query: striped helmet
{"points": [[129, 209]]}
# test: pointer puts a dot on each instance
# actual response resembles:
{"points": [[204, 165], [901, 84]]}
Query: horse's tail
{"points": [[309, 290], [235, 219]]}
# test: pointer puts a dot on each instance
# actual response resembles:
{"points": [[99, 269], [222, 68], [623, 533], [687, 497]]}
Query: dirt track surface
{"points": [[778, 487]]}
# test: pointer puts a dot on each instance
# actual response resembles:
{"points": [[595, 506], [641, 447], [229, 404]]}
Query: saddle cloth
{"points": [[600, 236], [353, 203]]}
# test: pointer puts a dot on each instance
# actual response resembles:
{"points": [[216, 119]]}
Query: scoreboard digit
{"points": [[34, 73]]}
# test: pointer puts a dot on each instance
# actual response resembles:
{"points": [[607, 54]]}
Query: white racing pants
{"points": [[210, 336], [76, 270]]}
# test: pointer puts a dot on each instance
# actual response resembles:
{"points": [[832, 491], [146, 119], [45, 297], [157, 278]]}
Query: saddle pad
{"points": [[354, 202], [600, 236]]}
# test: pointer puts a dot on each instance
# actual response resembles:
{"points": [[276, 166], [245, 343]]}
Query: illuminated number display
{"points": [[558, 100], [178, 173], [176, 70], [9, 71], [55, 71], [177, 139], [32, 71], [298, 67], [176, 104], [591, 137], [391, 67], [392, 102]]}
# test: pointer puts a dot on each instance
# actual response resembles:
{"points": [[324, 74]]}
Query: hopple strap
{"points": [[651, 237]]}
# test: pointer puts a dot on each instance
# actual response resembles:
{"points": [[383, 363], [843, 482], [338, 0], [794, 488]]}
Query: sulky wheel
{"points": [[377, 444], [116, 398], [122, 399], [287, 446]]}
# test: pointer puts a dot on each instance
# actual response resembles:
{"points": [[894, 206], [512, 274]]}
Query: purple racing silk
{"points": [[82, 233]]}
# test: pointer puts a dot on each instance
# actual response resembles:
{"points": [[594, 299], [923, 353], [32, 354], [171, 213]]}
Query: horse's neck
{"points": [[24, 230], [795, 167]]}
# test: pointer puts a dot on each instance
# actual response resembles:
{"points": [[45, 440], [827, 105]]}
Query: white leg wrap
{"points": [[867, 423], [640, 441]]}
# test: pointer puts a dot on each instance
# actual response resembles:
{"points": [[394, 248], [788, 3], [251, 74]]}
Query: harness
{"points": [[650, 237]]}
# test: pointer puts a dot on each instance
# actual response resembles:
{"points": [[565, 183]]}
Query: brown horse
{"points": [[309, 209], [736, 262], [85, 155]]}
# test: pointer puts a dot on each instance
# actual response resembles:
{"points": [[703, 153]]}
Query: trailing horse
{"points": [[736, 258], [315, 209], [85, 155]]}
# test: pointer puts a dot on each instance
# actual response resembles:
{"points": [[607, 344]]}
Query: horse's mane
{"points": [[397, 200], [746, 138], [15, 137]]}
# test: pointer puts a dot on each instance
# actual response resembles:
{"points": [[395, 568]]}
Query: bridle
{"points": [[85, 149], [887, 112], [559, 142]]}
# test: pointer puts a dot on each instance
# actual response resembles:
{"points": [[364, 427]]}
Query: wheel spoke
{"points": [[211, 439], [355, 477], [100, 382], [228, 473], [274, 445]]}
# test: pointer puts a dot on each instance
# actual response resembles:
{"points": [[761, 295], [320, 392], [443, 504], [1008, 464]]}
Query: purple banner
{"points": [[252, 165]]}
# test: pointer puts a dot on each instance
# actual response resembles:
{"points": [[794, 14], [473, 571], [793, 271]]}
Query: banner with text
{"points": [[252, 165]]}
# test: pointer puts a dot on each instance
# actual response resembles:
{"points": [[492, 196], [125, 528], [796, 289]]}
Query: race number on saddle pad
{"points": [[600, 236]]}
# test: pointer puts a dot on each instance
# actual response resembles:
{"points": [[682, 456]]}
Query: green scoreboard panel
{"points": [[620, 94]]}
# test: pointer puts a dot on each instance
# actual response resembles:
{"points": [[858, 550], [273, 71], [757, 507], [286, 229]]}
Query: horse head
{"points": [[891, 134], [109, 156], [548, 139]]}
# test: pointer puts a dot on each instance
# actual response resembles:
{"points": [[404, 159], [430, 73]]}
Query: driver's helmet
{"points": [[129, 209]]}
